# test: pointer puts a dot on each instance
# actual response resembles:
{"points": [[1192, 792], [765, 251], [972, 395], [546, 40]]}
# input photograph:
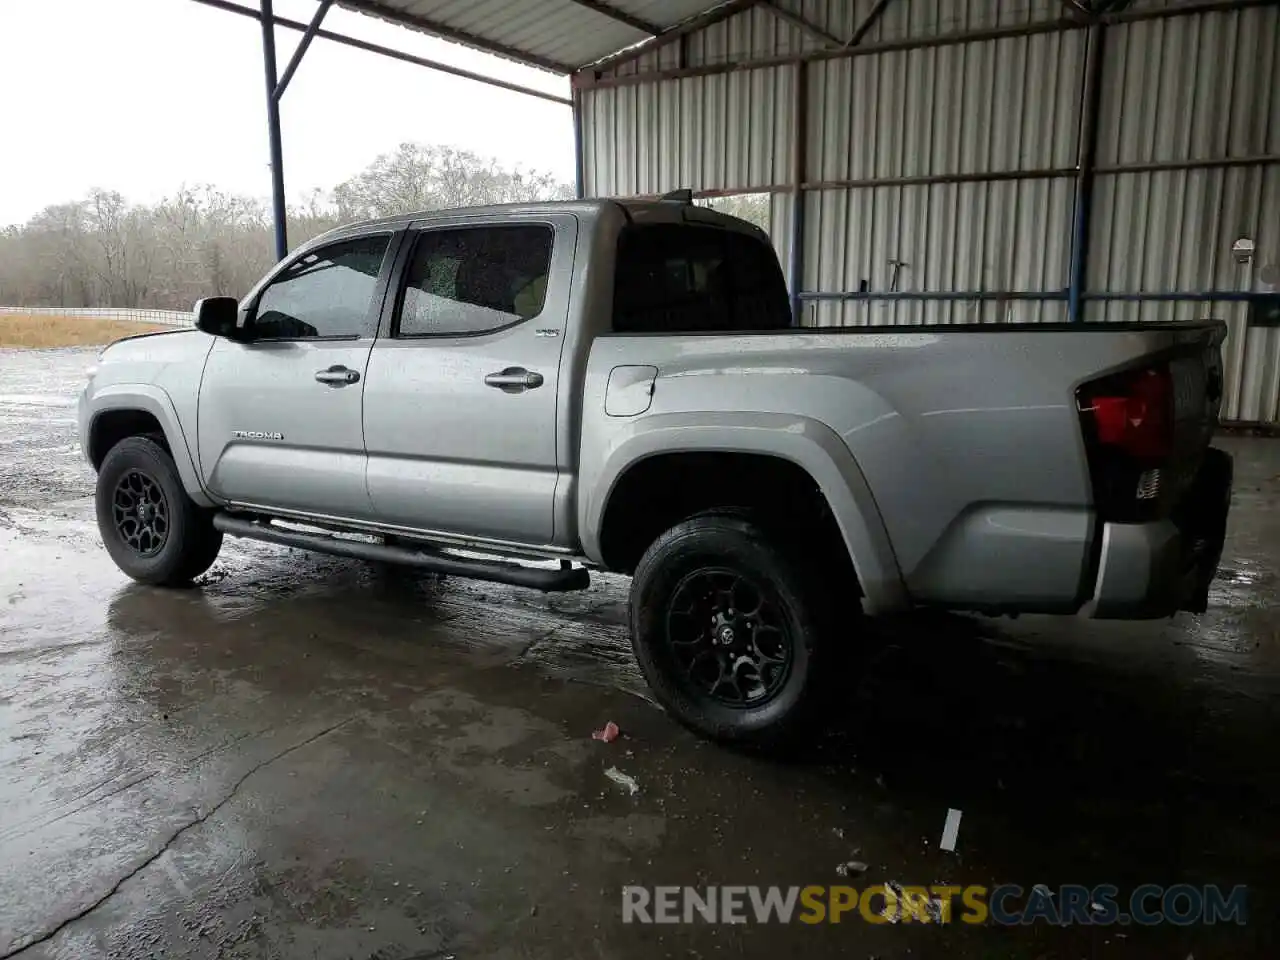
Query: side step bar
{"points": [[497, 571]]}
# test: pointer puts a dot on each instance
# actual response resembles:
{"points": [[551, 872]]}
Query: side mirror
{"points": [[217, 316]]}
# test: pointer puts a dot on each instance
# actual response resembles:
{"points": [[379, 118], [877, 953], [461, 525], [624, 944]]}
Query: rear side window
{"points": [[475, 279], [326, 293], [680, 278]]}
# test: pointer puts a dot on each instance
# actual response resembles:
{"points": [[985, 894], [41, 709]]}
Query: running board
{"points": [[497, 571]]}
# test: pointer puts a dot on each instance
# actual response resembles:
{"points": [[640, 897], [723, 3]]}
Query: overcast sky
{"points": [[143, 96]]}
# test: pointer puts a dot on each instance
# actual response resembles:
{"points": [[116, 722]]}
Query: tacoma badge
{"points": [[256, 435]]}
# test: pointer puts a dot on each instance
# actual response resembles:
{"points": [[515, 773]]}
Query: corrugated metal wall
{"points": [[938, 170]]}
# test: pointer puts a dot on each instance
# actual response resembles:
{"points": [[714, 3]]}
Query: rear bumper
{"points": [[1149, 570]]}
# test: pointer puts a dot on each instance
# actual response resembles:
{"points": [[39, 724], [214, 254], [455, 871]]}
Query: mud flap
{"points": [[1203, 520]]}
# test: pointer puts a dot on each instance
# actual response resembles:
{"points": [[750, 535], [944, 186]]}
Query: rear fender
{"points": [[808, 444]]}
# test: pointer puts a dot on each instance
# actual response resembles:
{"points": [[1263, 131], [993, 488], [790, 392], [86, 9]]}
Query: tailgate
{"points": [[1147, 425], [1196, 373]]}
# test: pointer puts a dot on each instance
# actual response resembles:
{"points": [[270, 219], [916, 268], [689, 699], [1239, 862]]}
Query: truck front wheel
{"points": [[154, 532], [727, 631]]}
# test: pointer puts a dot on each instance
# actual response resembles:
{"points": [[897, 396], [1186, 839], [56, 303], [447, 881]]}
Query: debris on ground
{"points": [[950, 830], [623, 780], [838, 832], [1041, 889], [607, 734], [851, 868]]}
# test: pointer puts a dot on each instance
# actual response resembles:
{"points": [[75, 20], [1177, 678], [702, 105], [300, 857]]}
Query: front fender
{"points": [[155, 401], [808, 444]]}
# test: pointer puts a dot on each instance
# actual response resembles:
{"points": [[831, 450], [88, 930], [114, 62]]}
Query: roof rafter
{"points": [[808, 26], [695, 23], [619, 16], [249, 12]]}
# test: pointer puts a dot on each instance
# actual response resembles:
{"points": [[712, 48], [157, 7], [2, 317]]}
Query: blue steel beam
{"points": [[1090, 105], [307, 36], [273, 129]]}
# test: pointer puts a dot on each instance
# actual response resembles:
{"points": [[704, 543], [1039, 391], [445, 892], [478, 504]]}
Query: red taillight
{"points": [[1135, 414]]}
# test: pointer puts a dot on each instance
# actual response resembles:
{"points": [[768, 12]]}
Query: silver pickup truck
{"points": [[527, 393]]}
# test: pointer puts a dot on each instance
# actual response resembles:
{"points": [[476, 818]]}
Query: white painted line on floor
{"points": [[950, 830]]}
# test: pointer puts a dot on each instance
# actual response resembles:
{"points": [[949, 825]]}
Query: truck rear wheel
{"points": [[154, 532], [727, 631]]}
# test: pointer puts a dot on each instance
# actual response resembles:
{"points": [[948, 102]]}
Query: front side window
{"points": [[677, 278], [327, 293], [475, 279]]}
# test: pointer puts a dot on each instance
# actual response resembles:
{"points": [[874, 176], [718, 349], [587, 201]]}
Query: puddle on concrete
{"points": [[311, 756]]}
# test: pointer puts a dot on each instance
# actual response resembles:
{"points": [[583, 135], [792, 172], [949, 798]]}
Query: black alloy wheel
{"points": [[729, 637], [141, 513]]}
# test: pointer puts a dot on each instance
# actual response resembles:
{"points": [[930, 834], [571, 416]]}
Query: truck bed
{"points": [[969, 437]]}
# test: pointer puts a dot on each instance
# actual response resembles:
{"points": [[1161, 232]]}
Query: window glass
{"points": [[476, 279], [325, 294], [683, 278]]}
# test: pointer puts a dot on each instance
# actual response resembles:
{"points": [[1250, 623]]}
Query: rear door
{"points": [[279, 422], [460, 407]]}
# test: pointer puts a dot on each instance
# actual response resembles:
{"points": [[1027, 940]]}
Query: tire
{"points": [[758, 684], [171, 540]]}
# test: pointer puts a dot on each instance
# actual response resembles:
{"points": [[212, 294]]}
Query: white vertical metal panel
{"points": [[751, 34], [1202, 87], [1003, 235], [1171, 231], [995, 106], [705, 133], [780, 220], [666, 57], [1191, 88]]}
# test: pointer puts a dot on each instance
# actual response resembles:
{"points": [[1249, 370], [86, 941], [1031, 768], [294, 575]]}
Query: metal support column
{"points": [[1085, 169], [579, 149], [799, 163], [273, 129]]}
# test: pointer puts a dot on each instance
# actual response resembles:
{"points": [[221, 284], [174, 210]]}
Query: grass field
{"points": [[50, 330]]}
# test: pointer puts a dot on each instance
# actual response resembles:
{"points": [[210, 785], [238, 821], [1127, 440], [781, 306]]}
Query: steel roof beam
{"points": [[868, 22], [695, 23], [619, 16], [301, 49], [809, 27], [394, 54]]}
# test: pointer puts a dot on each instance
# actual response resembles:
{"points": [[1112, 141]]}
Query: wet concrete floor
{"points": [[309, 757]]}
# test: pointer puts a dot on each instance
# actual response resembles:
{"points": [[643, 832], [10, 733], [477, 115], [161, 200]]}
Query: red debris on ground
{"points": [[608, 733]]}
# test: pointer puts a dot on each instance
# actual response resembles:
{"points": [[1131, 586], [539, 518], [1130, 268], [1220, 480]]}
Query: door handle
{"points": [[514, 379], [338, 375]]}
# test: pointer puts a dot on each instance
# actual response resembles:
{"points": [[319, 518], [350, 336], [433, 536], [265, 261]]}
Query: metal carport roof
{"points": [[557, 35], [562, 36]]}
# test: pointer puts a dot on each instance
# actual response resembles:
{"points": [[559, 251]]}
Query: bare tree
{"points": [[103, 251], [429, 177]]}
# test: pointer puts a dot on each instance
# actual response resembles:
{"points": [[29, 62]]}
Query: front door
{"points": [[460, 409], [279, 422]]}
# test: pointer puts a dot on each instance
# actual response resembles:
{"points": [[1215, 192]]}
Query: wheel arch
{"points": [[140, 410], [785, 452]]}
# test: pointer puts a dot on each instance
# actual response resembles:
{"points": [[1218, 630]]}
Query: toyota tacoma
{"points": [[528, 393]]}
